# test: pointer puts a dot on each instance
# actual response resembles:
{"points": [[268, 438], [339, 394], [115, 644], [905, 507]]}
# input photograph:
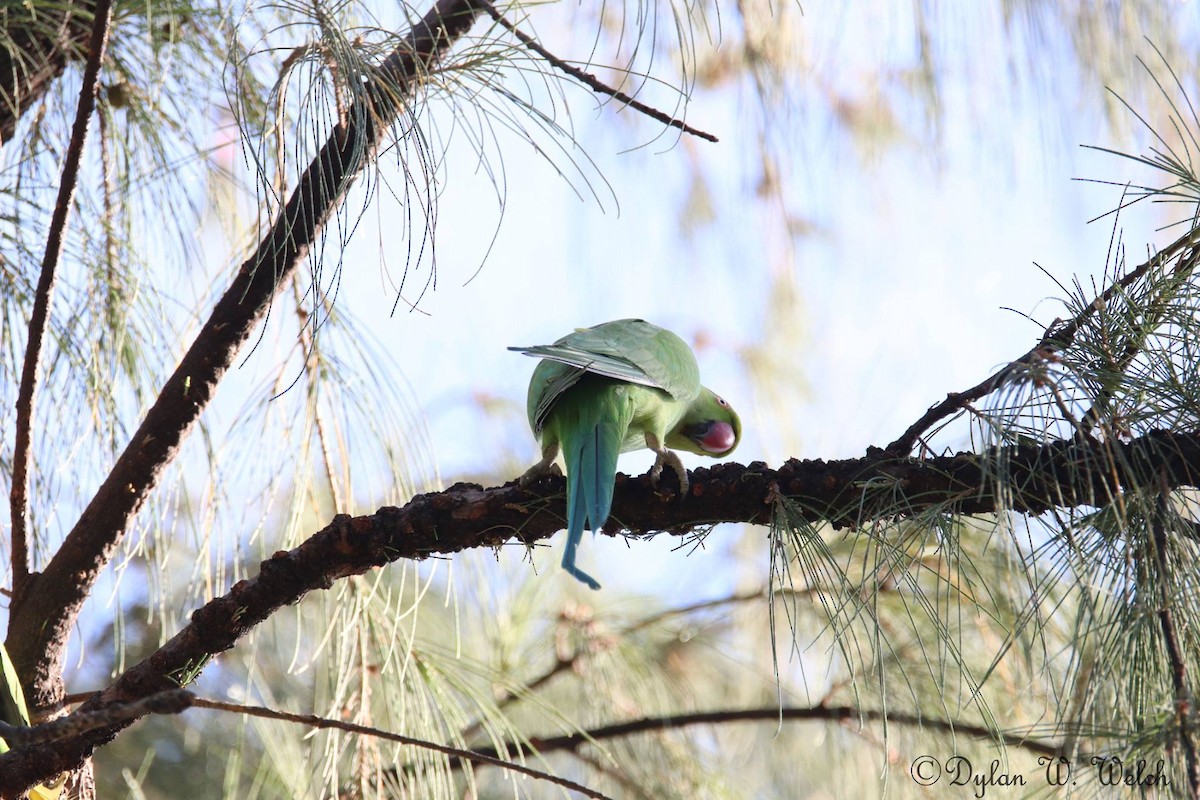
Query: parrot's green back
{"points": [[602, 391], [629, 350]]}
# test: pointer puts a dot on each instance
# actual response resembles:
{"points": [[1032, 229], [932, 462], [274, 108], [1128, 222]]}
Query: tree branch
{"points": [[567, 661], [848, 714], [43, 615], [459, 754], [1058, 474], [1057, 338], [172, 701], [55, 239], [589, 80]]}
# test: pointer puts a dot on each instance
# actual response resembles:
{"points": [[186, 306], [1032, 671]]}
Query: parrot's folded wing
{"points": [[588, 361], [648, 350], [560, 378], [631, 351]]}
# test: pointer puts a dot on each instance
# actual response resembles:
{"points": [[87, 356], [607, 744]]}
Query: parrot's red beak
{"points": [[713, 437]]}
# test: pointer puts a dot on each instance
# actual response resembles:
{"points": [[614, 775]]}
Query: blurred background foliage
{"points": [[381, 374]]}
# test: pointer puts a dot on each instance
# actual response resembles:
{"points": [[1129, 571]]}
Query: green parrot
{"points": [[609, 389]]}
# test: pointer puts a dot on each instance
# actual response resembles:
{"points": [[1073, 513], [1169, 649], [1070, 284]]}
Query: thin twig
{"points": [[632, 786], [310, 355], [38, 319], [774, 714], [460, 754], [1057, 338], [1154, 313], [590, 80], [704, 605]]}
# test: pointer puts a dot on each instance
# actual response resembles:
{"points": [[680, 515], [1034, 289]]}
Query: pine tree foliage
{"points": [[261, 140]]}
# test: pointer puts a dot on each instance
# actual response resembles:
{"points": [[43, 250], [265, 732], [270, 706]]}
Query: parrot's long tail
{"points": [[591, 457]]}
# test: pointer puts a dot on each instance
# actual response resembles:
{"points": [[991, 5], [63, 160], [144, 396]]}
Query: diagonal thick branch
{"points": [[44, 612], [850, 492]]}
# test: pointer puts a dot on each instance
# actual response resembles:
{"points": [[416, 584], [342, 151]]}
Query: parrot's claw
{"points": [[665, 458], [538, 471]]}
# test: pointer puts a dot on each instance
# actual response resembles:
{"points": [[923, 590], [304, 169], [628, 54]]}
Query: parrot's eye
{"points": [[721, 401]]}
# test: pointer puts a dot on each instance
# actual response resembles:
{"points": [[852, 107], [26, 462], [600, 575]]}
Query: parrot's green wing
{"points": [[630, 350]]}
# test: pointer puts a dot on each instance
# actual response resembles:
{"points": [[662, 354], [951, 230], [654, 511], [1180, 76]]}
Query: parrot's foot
{"points": [[669, 458], [538, 471]]}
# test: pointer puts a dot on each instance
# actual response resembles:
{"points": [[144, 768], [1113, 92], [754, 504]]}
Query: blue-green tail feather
{"points": [[576, 517], [591, 473]]}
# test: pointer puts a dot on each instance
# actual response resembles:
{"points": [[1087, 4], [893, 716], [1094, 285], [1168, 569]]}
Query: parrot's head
{"points": [[710, 427]]}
